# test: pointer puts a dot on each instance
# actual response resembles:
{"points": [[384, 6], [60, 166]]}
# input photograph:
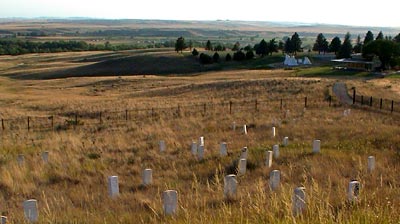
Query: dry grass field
{"points": [[72, 186]]}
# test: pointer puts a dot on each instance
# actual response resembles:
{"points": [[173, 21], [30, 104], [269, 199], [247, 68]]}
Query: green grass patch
{"points": [[329, 71]]}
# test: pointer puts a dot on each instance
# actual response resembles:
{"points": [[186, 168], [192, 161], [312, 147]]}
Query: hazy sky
{"points": [[348, 12]]}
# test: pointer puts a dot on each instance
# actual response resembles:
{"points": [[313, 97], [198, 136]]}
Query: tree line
{"points": [[17, 47]]}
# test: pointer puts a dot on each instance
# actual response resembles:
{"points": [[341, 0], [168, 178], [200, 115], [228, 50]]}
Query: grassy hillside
{"points": [[72, 187]]}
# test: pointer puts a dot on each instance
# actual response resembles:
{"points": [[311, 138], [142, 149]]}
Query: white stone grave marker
{"points": [[242, 166], [162, 145], [299, 201], [21, 159], [230, 186], [201, 141], [275, 150], [200, 152], [273, 132], [274, 179], [243, 154], [245, 129], [147, 177], [194, 148], [223, 149], [113, 186], [3, 219], [170, 202], [316, 146], [371, 163], [285, 141], [268, 160], [354, 191], [31, 210], [45, 156]]}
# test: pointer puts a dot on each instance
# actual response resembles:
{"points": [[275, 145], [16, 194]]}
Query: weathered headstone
{"points": [[31, 210], [147, 177], [371, 163], [354, 190], [268, 160], [230, 186], [162, 145], [245, 129], [275, 150], [285, 141], [242, 166], [3, 219], [113, 186], [170, 202], [299, 201], [243, 154], [200, 152], [201, 141], [274, 179], [21, 159], [273, 132], [316, 146], [194, 148], [223, 149], [45, 156]]}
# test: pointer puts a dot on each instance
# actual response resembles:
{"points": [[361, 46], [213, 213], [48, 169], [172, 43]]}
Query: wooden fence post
{"points": [[281, 104], [370, 101], [380, 104], [305, 102], [29, 119], [76, 119], [362, 100], [255, 106], [354, 95], [392, 108], [2, 124], [230, 107], [330, 101], [126, 115], [52, 122]]}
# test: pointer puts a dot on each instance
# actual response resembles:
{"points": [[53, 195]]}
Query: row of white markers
{"points": [[170, 197]]}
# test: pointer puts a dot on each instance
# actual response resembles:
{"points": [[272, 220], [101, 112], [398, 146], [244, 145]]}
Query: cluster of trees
{"points": [[387, 49], [17, 47]]}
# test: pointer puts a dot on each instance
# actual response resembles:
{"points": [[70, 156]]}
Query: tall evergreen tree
{"points": [[380, 36], [272, 46], [209, 46], [262, 48], [368, 37], [346, 48], [296, 43], [358, 46], [288, 46], [321, 44], [335, 45], [180, 44]]}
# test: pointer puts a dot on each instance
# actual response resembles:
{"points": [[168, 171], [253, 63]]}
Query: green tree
{"points": [[380, 36], [335, 45], [180, 44], [397, 38], [346, 48], [272, 46], [386, 50], [236, 46], [321, 44], [358, 47], [205, 59], [250, 54], [228, 57], [288, 46], [216, 57], [195, 52], [209, 46], [262, 48], [369, 37], [239, 56], [296, 43]]}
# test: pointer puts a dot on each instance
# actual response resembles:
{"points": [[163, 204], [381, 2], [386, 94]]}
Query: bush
{"points": [[216, 57], [205, 59], [239, 56], [195, 52], [250, 55], [228, 57]]}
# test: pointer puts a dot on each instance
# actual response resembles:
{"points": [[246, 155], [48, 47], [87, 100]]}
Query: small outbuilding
{"points": [[353, 64]]}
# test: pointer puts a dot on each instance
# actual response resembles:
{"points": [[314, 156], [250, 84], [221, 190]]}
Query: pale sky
{"points": [[380, 13]]}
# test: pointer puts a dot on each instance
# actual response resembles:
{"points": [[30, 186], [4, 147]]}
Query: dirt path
{"points": [[340, 90]]}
